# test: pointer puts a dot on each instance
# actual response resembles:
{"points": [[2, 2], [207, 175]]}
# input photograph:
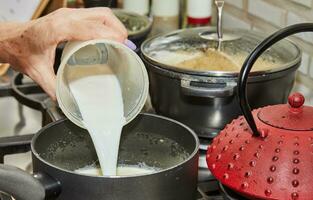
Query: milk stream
{"points": [[99, 98]]}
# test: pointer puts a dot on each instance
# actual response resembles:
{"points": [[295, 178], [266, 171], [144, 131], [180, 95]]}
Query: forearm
{"points": [[9, 32], [30, 47]]}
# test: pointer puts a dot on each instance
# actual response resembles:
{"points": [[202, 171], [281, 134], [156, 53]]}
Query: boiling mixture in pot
{"points": [[122, 170], [212, 60]]}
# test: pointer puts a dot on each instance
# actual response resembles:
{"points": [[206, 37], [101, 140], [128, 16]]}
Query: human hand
{"points": [[30, 47]]}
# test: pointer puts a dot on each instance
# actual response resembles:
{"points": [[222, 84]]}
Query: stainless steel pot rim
{"points": [[192, 155], [253, 77], [219, 73]]}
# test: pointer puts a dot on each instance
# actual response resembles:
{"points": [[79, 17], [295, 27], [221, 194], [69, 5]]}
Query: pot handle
{"points": [[23, 186], [207, 90], [251, 59], [19, 184]]}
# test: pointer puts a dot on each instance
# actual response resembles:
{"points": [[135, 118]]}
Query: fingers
{"points": [[93, 23], [110, 20], [103, 15], [89, 30]]}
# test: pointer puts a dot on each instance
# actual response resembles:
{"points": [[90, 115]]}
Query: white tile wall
{"points": [[304, 67], [267, 16], [231, 21], [236, 3], [267, 30], [307, 3], [267, 12], [293, 18], [310, 67]]}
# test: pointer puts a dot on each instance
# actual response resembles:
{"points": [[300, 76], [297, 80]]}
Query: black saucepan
{"points": [[62, 147]]}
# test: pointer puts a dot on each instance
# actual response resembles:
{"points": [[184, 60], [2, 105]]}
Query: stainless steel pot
{"points": [[62, 147], [203, 99]]}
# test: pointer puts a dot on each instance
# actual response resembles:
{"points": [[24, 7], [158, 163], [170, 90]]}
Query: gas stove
{"points": [[29, 94]]}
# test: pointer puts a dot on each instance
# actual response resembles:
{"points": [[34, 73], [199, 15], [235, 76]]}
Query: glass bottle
{"points": [[165, 16], [199, 13], [138, 6]]}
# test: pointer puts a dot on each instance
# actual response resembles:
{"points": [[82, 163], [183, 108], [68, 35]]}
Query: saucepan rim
{"points": [[190, 157]]}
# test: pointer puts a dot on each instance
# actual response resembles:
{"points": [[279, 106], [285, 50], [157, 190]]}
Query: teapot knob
{"points": [[296, 100]]}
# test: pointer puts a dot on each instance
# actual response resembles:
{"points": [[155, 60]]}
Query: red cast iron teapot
{"points": [[267, 154]]}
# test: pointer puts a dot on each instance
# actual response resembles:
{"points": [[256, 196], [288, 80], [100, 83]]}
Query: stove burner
{"points": [[4, 196], [14, 145], [27, 92], [5, 90], [204, 143], [229, 194], [207, 189]]}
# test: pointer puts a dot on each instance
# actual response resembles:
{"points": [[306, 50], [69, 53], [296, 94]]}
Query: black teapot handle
{"points": [[251, 59]]}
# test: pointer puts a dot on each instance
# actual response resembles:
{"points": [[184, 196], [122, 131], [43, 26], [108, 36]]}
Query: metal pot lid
{"points": [[194, 50], [293, 116], [277, 165], [134, 23]]}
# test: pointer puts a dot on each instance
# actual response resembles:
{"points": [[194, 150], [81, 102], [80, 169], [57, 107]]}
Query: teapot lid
{"points": [[293, 116]]}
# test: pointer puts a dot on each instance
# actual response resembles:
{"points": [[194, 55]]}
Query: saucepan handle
{"points": [[211, 90], [23, 186], [251, 59], [19, 184]]}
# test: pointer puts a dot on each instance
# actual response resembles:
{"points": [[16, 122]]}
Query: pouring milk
{"points": [[98, 95]]}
